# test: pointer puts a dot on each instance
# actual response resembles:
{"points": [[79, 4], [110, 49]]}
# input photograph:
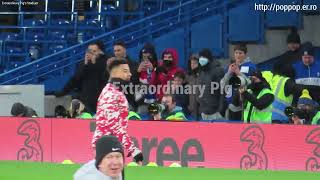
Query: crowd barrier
{"points": [[192, 144]]}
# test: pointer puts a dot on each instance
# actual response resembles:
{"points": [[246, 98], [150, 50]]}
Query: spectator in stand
{"points": [[192, 79], [307, 111], [90, 77], [148, 62], [308, 72], [294, 51], [178, 86], [241, 67], [120, 52], [171, 111], [164, 73], [19, 110], [212, 101]]}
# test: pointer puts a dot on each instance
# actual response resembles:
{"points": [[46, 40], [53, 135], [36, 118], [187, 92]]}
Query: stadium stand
{"points": [[44, 47]]}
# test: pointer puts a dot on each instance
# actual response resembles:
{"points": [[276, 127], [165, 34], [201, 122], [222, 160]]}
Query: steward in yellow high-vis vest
{"points": [[284, 88], [316, 119], [257, 101], [133, 116]]}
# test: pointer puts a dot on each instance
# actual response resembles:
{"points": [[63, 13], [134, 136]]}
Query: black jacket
{"points": [[88, 82], [212, 100], [134, 80], [290, 57], [261, 103]]}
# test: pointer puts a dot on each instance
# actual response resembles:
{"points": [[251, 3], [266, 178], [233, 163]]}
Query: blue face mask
{"points": [[203, 61]]}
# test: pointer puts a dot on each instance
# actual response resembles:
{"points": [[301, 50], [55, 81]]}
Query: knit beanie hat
{"points": [[106, 145], [293, 37], [308, 50], [306, 99]]}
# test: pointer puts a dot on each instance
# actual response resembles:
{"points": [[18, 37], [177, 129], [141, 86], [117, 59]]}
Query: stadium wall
{"points": [[275, 41], [28, 95], [192, 144]]}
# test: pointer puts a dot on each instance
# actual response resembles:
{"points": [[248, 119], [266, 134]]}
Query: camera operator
{"points": [[167, 110], [257, 100], [306, 112]]}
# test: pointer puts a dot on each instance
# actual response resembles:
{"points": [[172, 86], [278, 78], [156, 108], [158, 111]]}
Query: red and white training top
{"points": [[112, 117]]}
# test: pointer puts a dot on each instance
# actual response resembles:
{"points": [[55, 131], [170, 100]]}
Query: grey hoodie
{"points": [[89, 172]]}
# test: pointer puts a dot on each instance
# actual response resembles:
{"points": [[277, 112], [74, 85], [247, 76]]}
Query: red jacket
{"points": [[112, 117], [163, 78]]}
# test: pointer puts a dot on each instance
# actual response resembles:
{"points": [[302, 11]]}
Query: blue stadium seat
{"points": [[36, 36], [14, 50], [57, 35], [245, 24], [108, 7], [14, 64], [61, 23], [167, 4], [32, 22], [93, 23], [56, 48], [175, 40], [214, 39], [10, 36], [283, 19]]}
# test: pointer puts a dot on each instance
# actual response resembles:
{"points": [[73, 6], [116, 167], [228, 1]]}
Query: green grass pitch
{"points": [[13, 170]]}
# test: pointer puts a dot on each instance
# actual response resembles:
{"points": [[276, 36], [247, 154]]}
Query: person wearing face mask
{"points": [[308, 110], [113, 109], [164, 73], [211, 103], [257, 100], [171, 111], [90, 77], [192, 79]]}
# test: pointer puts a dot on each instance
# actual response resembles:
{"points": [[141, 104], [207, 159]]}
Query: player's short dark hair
{"points": [[100, 45], [116, 63], [120, 43]]}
